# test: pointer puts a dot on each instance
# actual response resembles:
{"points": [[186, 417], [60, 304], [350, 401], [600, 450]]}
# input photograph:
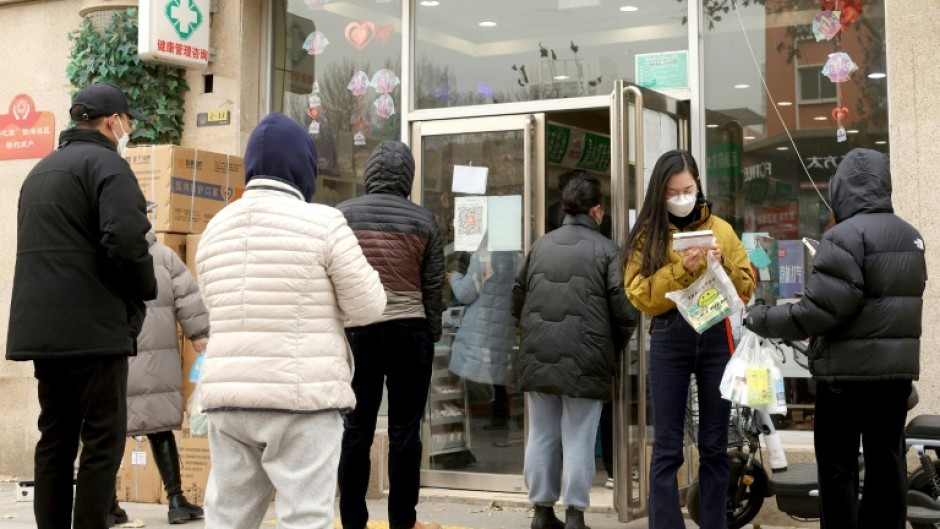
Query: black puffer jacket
{"points": [[399, 238], [83, 270], [569, 299], [864, 299]]}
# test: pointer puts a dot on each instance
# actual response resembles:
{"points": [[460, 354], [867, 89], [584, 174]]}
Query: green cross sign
{"points": [[185, 17]]}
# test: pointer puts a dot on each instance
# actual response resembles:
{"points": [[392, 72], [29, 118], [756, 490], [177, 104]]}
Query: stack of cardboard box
{"points": [[189, 187]]}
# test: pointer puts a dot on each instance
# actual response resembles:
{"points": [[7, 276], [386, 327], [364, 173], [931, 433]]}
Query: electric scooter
{"points": [[796, 486]]}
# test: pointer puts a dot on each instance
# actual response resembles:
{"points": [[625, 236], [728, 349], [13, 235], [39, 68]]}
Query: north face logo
{"points": [[919, 243]]}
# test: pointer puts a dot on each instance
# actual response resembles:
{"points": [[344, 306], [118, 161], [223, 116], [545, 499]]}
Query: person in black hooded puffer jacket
{"points": [[862, 309]]}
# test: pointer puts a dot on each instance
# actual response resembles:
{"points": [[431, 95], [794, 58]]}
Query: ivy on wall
{"points": [[110, 56]]}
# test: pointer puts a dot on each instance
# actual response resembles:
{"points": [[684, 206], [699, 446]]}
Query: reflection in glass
{"points": [[475, 418], [755, 177], [336, 71], [538, 50]]}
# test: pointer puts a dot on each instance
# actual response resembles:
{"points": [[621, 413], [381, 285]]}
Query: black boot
{"points": [[545, 519], [167, 458], [574, 519], [117, 515]]}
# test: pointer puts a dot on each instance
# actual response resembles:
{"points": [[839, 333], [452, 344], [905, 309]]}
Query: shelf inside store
{"points": [[440, 373], [437, 397], [441, 421]]}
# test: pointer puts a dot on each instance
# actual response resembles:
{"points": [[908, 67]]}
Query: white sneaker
{"points": [[610, 483]]}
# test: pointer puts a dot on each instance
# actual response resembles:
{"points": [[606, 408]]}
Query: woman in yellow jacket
{"points": [[675, 203]]}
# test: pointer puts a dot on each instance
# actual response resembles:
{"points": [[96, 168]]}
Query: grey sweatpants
{"points": [[561, 424], [254, 453]]}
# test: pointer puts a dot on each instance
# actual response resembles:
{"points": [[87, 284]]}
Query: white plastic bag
{"points": [[709, 299], [753, 378], [198, 420]]}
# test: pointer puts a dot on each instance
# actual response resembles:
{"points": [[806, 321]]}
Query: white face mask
{"points": [[123, 139], [681, 205]]}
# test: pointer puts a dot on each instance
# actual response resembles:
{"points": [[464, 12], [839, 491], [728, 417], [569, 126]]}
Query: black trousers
{"points": [[80, 400], [874, 413], [398, 354]]}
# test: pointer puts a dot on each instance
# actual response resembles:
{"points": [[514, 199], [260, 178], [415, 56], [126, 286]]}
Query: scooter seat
{"points": [[924, 427], [795, 490], [921, 508]]}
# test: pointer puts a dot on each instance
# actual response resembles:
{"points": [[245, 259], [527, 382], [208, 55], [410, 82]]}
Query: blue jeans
{"points": [[398, 354], [676, 352]]}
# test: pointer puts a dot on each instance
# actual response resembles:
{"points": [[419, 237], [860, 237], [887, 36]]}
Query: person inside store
{"points": [[862, 310], [675, 203], [280, 277], [155, 375], [569, 301], [483, 348], [81, 278]]}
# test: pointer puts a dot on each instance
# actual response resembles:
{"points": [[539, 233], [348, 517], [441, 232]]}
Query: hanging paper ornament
{"points": [[383, 32], [316, 4], [384, 106], [359, 139], [314, 113], [360, 34], [826, 25], [315, 89], [839, 67], [384, 81], [849, 10], [314, 128], [359, 84], [313, 101], [315, 43]]}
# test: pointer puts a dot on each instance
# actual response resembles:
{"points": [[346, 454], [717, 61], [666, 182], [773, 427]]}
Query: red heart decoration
{"points": [[313, 112], [850, 10], [359, 34], [839, 114], [383, 32]]}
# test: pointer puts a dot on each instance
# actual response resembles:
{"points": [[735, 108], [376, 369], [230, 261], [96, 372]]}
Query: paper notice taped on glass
{"points": [[470, 214], [504, 221], [470, 179]]}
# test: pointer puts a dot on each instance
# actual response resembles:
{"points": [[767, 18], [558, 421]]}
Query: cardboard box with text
{"points": [[189, 186]]}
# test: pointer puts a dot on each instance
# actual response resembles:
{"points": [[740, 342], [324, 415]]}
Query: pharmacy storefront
{"points": [[497, 99]]}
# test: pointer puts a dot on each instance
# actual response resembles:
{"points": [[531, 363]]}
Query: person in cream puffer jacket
{"points": [[279, 276]]}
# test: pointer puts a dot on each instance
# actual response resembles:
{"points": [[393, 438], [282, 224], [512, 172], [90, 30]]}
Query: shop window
{"points": [[813, 86], [336, 71], [770, 192], [499, 51]]}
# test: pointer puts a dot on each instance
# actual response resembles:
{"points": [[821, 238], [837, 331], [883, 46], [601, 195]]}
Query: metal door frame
{"points": [[627, 94], [533, 209]]}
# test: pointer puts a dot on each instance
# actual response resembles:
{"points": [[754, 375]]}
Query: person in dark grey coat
{"points": [[155, 376], [569, 300], [862, 310]]}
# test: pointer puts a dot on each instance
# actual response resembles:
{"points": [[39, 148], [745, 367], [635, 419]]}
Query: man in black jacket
{"points": [[569, 300], [82, 275], [862, 307], [401, 241]]}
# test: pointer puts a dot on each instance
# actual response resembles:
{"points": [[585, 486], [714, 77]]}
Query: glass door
{"points": [[482, 179], [643, 125]]}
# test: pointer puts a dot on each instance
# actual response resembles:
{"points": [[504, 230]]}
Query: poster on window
{"points": [[504, 221], [470, 215], [790, 259]]}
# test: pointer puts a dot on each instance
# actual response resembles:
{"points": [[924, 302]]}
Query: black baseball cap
{"points": [[103, 99]]}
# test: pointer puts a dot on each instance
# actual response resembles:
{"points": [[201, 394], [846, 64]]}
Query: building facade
{"points": [[497, 99]]}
